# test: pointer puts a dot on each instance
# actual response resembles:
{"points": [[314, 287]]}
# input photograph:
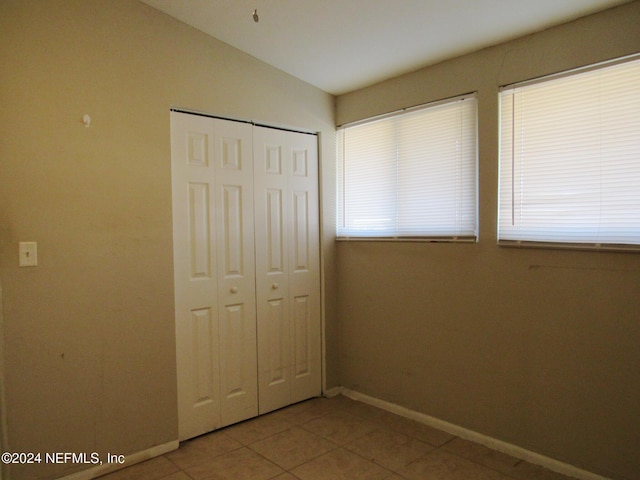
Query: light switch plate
{"points": [[28, 254]]}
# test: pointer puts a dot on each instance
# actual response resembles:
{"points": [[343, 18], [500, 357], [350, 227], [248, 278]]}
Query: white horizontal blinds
{"points": [[570, 158], [367, 178], [410, 175]]}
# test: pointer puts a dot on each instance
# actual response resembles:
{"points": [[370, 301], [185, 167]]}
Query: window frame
{"points": [[554, 244], [427, 238]]}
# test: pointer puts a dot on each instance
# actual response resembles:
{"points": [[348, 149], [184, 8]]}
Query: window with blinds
{"points": [[570, 158], [410, 175]]}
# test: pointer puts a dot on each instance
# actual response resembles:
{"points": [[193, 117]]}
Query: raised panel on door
{"points": [[272, 268], [236, 270], [195, 281], [304, 262]]}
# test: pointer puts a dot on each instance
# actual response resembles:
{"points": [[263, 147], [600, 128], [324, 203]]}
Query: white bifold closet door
{"points": [[246, 260], [287, 266], [214, 272]]}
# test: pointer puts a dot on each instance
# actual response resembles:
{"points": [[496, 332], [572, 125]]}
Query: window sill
{"points": [[590, 247], [462, 239]]}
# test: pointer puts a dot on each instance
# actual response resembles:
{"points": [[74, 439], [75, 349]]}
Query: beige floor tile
{"points": [[390, 449], [311, 409], [340, 427], [202, 449], [258, 428], [177, 476], [332, 439], [481, 454], [153, 469], [292, 447], [241, 464], [340, 402], [528, 471], [418, 430], [286, 476], [442, 465], [363, 410], [340, 464]]}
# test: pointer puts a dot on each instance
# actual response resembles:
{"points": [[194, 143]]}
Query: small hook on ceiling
{"points": [[256, 18]]}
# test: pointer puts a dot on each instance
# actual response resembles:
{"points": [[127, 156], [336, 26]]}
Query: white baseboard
{"points": [[128, 461], [333, 392], [495, 444]]}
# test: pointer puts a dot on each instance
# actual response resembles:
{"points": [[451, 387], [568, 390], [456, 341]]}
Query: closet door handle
{"points": [[234, 290], [274, 286]]}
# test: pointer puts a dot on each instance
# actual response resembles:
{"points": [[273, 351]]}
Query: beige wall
{"points": [[89, 333], [539, 348]]}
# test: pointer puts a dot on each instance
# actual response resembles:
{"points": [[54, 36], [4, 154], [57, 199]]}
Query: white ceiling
{"points": [[343, 45]]}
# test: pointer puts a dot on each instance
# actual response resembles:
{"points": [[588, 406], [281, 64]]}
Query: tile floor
{"points": [[334, 439]]}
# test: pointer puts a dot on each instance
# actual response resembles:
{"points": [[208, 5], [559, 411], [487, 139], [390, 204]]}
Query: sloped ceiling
{"points": [[343, 45]]}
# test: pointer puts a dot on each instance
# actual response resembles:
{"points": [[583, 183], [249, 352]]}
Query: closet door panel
{"points": [[277, 330], [272, 268], [289, 343], [304, 259], [196, 306], [234, 244]]}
